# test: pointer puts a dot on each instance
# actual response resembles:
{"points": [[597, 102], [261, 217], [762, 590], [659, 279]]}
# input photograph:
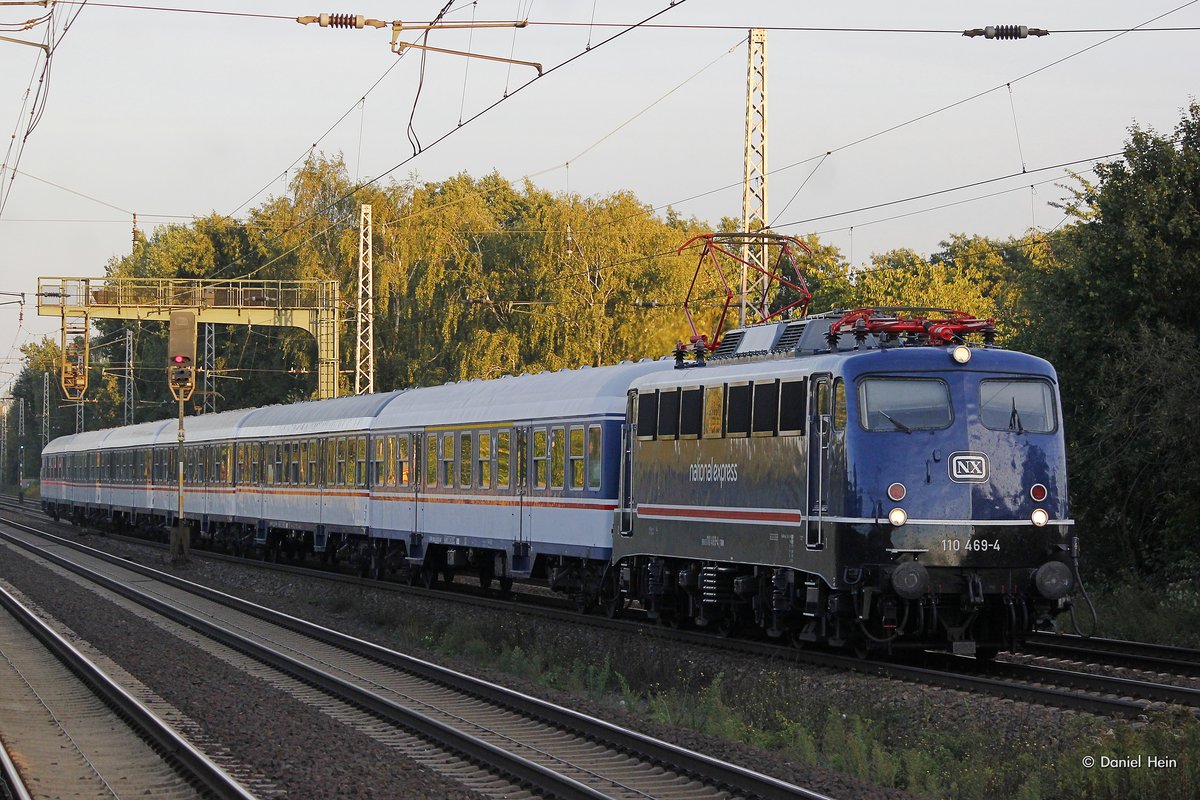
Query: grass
{"points": [[1142, 612], [927, 748]]}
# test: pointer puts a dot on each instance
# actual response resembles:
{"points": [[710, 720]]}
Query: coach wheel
{"points": [[506, 588], [986, 654]]}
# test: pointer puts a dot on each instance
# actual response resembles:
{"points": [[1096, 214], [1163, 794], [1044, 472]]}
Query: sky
{"points": [[178, 114]]}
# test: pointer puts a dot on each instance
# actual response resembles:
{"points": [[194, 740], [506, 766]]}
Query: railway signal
{"points": [[181, 355]]}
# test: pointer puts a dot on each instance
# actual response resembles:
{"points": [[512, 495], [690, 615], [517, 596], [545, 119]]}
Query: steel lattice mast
{"points": [[754, 173], [364, 360]]}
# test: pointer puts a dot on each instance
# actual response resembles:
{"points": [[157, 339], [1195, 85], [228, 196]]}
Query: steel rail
{"points": [[947, 677], [743, 781], [197, 765], [1122, 652]]}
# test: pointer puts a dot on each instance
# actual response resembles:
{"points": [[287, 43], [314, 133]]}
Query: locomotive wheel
{"points": [[986, 654], [614, 606]]}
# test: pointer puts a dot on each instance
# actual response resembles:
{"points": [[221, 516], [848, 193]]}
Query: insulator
{"points": [[342, 20], [1006, 31]]}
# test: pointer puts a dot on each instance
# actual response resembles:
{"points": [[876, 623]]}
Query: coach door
{"points": [[625, 488], [417, 478], [820, 432]]}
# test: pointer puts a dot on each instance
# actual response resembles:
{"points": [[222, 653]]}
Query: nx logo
{"points": [[968, 467]]}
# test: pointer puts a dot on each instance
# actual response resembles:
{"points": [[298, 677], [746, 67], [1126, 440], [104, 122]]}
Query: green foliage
{"points": [[1117, 317]]}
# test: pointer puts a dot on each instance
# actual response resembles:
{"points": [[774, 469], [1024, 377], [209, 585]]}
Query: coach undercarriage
{"points": [[974, 612]]}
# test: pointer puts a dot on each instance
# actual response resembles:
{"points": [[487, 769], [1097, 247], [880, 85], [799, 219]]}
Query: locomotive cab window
{"points": [[904, 404], [1017, 405]]}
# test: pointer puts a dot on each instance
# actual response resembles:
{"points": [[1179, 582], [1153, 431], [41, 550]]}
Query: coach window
{"points": [[557, 448], [339, 462], [595, 458], [714, 408], [296, 470], [302, 461], [577, 455], [447, 476], [766, 407], [314, 462], [378, 469], [737, 421], [647, 415], [360, 461], [280, 460], [285, 463], [466, 459], [792, 401], [403, 465], [389, 461], [540, 457], [503, 459], [485, 460]]}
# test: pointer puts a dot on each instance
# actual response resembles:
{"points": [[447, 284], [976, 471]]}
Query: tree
{"points": [[1117, 316]]}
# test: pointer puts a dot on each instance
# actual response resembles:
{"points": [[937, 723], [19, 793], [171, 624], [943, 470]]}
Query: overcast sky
{"points": [[175, 115]]}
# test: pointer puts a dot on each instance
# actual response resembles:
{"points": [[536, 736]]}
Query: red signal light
{"points": [[179, 359]]}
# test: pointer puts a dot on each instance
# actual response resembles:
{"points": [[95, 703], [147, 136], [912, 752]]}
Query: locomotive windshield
{"points": [[904, 404], [1024, 405]]}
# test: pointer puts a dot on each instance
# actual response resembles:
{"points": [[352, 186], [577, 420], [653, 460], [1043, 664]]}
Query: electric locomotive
{"points": [[864, 479]]}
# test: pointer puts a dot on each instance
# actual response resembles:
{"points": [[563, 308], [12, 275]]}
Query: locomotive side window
{"points": [[714, 410], [1017, 405], [904, 404], [766, 407], [839, 405], [691, 413], [540, 457], [576, 455], [737, 420], [792, 402], [594, 457], [557, 448], [668, 413], [647, 416]]}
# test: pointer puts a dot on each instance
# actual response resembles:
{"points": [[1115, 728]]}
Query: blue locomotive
{"points": [[864, 479]]}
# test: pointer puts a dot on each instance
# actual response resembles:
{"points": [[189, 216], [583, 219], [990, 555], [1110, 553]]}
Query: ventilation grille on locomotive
{"points": [[729, 344], [790, 337]]}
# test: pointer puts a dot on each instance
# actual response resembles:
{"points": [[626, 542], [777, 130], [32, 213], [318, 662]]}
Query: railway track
{"points": [[70, 730], [1143, 656], [1073, 687], [531, 743]]}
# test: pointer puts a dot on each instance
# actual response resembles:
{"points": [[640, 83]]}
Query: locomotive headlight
{"points": [[961, 354], [897, 516], [1039, 517]]}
